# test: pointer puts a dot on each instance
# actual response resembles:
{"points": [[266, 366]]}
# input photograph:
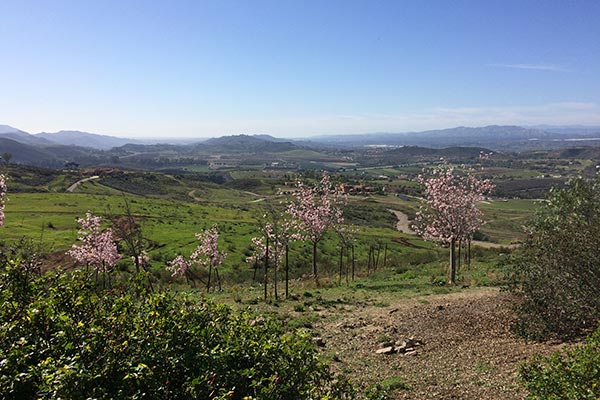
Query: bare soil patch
{"points": [[468, 350], [404, 225]]}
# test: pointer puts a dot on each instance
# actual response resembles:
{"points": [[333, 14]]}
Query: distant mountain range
{"points": [[493, 136], [84, 139], [78, 138], [498, 137], [89, 149]]}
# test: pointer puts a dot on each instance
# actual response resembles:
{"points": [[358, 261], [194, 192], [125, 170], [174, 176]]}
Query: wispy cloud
{"points": [[535, 67]]}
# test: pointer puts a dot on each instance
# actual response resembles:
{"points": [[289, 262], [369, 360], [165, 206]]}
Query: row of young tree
{"points": [[313, 211], [448, 215]]}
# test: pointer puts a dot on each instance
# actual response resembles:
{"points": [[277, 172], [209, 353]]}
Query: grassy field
{"points": [[172, 213], [464, 327]]}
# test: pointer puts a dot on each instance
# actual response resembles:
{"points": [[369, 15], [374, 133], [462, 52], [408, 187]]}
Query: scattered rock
{"points": [[411, 353], [406, 346], [386, 350], [319, 341]]}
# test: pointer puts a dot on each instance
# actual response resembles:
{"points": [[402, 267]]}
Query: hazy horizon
{"points": [[296, 69]]}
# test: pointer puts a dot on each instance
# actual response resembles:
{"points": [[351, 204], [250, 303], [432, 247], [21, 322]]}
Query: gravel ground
{"points": [[467, 350]]}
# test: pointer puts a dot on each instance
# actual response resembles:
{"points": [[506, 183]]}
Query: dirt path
{"points": [[192, 194], [74, 186], [468, 350], [403, 225]]}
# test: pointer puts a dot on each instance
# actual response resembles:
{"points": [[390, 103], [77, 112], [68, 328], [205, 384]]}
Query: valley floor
{"points": [[468, 350]]}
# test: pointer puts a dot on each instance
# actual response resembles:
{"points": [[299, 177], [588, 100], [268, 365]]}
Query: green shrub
{"points": [[557, 273], [60, 337], [571, 375]]}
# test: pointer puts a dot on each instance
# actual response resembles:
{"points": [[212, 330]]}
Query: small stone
{"points": [[319, 341], [401, 347], [385, 350], [411, 353]]}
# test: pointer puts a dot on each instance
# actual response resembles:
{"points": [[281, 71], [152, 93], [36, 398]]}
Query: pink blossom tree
{"points": [[449, 213], [272, 247], [207, 253], [98, 248], [179, 266], [3, 197], [316, 209]]}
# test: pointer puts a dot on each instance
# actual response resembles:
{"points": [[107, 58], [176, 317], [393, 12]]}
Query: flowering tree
{"points": [[98, 248], [273, 247], [3, 197], [179, 266], [450, 212], [316, 209], [207, 253]]}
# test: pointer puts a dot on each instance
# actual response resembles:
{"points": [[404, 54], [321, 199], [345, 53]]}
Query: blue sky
{"points": [[296, 68]]}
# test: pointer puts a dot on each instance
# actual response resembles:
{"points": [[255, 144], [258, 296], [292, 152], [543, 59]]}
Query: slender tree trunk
{"points": [[353, 263], [209, 276], [377, 259], [469, 253], [315, 274], [341, 265], [347, 263], [275, 267], [452, 277], [287, 271], [218, 279], [266, 277], [460, 243]]}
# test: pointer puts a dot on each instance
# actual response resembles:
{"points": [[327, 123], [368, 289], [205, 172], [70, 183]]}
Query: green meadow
{"points": [[171, 209]]}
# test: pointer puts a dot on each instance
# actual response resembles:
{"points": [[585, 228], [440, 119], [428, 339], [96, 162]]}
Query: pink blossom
{"points": [[3, 197], [315, 210], [279, 238], [98, 248], [450, 211], [178, 266], [207, 253], [142, 258]]}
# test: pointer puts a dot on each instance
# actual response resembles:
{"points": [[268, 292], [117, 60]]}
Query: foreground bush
{"points": [[573, 375], [557, 275], [62, 338]]}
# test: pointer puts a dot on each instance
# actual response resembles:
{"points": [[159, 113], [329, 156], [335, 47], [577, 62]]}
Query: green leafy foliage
{"points": [[61, 337], [557, 275], [572, 375]]}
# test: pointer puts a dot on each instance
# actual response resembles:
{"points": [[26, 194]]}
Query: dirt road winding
{"points": [[404, 225], [74, 186]]}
